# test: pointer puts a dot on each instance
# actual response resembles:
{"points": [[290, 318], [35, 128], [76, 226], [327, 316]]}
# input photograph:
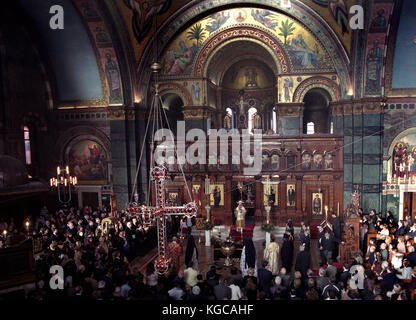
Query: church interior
{"points": [[317, 98]]}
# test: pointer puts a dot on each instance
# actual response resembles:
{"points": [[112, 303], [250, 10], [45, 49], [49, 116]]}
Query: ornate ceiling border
{"points": [[311, 20]]}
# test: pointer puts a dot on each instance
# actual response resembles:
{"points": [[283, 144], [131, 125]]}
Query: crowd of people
{"points": [[99, 266]]}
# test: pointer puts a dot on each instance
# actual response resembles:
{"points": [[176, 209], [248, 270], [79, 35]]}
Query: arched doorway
{"points": [[173, 104], [316, 112]]}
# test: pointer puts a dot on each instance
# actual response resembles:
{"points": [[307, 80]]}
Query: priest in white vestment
{"points": [[271, 254]]}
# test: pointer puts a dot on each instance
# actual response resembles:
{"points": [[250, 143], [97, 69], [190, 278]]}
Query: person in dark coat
{"points": [[287, 252], [303, 261], [326, 246], [191, 253], [265, 278], [337, 230]]}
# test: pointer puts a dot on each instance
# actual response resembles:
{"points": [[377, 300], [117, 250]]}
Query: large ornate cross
{"points": [[160, 211]]}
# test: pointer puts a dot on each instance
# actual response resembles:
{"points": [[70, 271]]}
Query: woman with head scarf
{"points": [[248, 257], [191, 254]]}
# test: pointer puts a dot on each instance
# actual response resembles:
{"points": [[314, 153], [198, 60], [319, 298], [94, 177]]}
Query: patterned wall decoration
{"points": [[106, 55], [398, 117], [317, 82], [305, 52], [376, 42]]}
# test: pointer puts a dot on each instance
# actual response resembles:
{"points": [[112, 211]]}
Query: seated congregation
{"points": [[109, 265]]}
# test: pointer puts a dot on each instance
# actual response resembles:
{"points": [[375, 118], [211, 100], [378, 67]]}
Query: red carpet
{"points": [[247, 232]]}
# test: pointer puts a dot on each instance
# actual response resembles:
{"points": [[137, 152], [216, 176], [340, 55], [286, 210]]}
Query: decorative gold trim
{"points": [[116, 113], [197, 112]]}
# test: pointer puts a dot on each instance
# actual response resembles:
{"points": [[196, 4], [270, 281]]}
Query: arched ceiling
{"points": [[249, 74], [306, 53], [404, 65], [232, 53], [137, 15], [69, 51]]}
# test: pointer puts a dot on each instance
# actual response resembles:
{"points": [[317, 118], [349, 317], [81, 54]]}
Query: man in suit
{"points": [[302, 261], [265, 277], [222, 291]]}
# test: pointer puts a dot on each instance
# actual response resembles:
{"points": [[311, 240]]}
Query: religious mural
{"points": [[216, 195], [404, 157], [376, 42], [249, 74], [318, 161], [143, 12], [271, 198], [291, 195], [289, 85], [88, 161], [173, 199], [329, 161], [335, 12], [275, 162], [196, 194], [317, 203], [305, 52], [306, 161], [105, 50]]}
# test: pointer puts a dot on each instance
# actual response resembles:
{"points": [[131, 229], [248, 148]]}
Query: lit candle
{"points": [[67, 169], [326, 212], [5, 232], [65, 182], [58, 170], [51, 182], [27, 224]]}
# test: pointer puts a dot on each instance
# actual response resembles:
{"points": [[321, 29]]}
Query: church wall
{"points": [[119, 164], [290, 126], [360, 122]]}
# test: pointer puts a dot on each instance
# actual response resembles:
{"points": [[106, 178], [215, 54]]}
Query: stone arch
{"points": [[317, 82], [304, 14], [171, 87], [262, 38]]}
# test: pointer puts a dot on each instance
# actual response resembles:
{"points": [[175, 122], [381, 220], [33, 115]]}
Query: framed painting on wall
{"points": [[216, 195], [272, 199], [291, 195], [317, 201]]}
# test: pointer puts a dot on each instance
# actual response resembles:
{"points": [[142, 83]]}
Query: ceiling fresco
{"points": [[138, 15], [304, 51]]}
